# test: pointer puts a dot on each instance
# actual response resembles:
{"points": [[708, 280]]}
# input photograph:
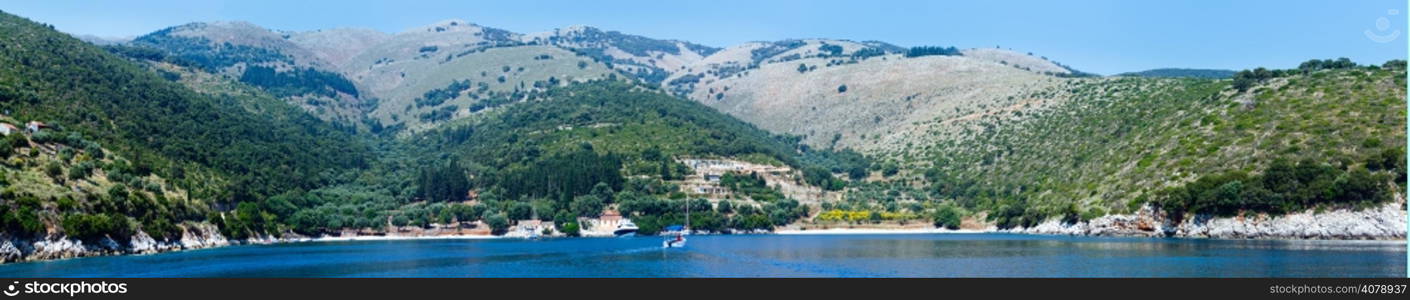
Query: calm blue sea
{"points": [[895, 255]]}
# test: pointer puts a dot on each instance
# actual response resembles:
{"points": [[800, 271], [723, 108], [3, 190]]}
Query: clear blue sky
{"points": [[1097, 36]]}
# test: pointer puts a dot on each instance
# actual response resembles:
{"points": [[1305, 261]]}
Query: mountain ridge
{"points": [[377, 62]]}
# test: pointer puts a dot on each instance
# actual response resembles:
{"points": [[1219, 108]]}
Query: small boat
{"points": [[677, 242], [675, 236], [625, 229], [680, 231]]}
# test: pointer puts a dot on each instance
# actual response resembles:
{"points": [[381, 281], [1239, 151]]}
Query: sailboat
{"points": [[534, 231], [680, 231]]}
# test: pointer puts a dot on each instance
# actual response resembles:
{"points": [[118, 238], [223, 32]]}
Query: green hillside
{"points": [[612, 116], [253, 164], [261, 58], [1296, 139], [56, 180], [450, 85], [223, 150], [576, 141]]}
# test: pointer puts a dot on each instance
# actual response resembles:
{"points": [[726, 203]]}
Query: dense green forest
{"points": [[565, 153], [300, 81], [583, 144], [642, 127], [217, 148]]}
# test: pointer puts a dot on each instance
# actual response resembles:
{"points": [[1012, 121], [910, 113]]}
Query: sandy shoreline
{"points": [[397, 238], [831, 231]]}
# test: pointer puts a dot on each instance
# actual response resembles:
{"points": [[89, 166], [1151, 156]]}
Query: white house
{"points": [[34, 126]]}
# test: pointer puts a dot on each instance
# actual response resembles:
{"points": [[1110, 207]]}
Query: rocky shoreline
{"points": [[1385, 222], [194, 236]]}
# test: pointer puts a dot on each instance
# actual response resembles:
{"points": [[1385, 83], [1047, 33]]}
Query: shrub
{"points": [[82, 170], [587, 206], [889, 170], [947, 217], [571, 229], [161, 229], [499, 223], [724, 207], [932, 50], [92, 227], [9, 143], [22, 221], [520, 211], [54, 170]]}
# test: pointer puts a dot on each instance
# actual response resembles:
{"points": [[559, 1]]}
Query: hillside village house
{"points": [[34, 126], [7, 129], [708, 189], [603, 225], [530, 227]]}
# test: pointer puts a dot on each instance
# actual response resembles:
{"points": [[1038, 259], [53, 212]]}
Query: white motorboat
{"points": [[625, 229]]}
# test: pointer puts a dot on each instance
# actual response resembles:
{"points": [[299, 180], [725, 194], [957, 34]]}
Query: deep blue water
{"points": [[899, 255]]}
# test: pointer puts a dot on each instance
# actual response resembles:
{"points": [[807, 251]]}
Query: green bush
{"points": [[54, 170], [890, 169], [22, 221], [587, 206], [499, 223], [161, 229], [10, 142], [82, 170], [571, 229], [947, 217], [1282, 188], [93, 227]]}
